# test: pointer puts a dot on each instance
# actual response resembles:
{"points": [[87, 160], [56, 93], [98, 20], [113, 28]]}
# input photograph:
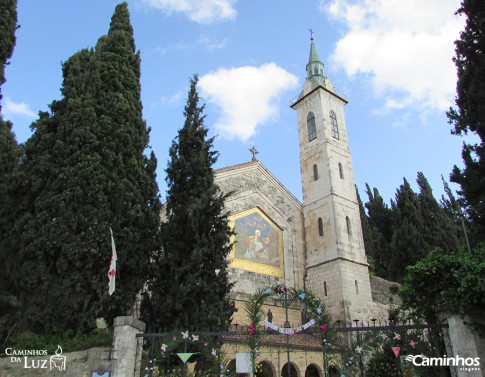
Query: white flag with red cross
{"points": [[112, 266]]}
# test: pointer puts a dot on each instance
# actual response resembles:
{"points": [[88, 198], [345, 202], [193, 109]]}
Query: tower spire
{"points": [[314, 67]]}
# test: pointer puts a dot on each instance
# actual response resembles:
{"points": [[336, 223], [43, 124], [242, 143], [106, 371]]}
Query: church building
{"points": [[316, 245]]}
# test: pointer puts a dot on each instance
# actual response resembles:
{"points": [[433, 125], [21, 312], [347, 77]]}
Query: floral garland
{"points": [[317, 316]]}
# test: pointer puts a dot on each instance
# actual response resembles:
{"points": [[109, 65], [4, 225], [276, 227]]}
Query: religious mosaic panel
{"points": [[258, 243]]}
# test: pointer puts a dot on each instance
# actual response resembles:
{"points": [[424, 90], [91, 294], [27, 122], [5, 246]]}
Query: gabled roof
{"points": [[257, 165]]}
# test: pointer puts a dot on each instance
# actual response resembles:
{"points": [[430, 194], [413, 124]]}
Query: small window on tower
{"points": [[325, 288], [341, 170], [312, 128], [356, 287], [349, 229], [315, 172], [320, 227], [334, 125]]}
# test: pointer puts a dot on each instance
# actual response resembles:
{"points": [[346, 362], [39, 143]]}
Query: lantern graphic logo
{"points": [[58, 361]]}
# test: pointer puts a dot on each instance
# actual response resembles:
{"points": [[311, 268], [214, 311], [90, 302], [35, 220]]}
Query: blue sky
{"points": [[391, 59]]}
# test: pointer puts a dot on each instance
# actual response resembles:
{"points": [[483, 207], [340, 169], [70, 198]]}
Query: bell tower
{"points": [[336, 265]]}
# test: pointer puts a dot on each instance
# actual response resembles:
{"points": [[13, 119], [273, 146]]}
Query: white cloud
{"points": [[201, 11], [246, 96], [405, 47], [202, 42], [11, 108], [173, 100]]}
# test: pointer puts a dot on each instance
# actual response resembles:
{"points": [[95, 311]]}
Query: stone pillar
{"points": [[463, 345], [127, 348]]}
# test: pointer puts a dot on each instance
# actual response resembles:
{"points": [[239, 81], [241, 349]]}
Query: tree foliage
{"points": [[189, 284], [8, 25], [469, 114], [84, 171], [399, 236], [9, 161], [450, 283]]}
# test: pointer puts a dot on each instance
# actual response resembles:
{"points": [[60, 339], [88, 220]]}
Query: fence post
{"points": [[127, 347]]}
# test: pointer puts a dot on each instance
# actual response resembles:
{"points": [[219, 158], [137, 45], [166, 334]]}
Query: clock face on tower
{"points": [[257, 244]]}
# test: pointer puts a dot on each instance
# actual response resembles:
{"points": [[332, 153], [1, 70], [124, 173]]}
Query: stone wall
{"points": [[382, 291], [80, 363]]}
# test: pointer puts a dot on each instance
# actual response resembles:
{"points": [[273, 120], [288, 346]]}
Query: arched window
{"points": [[320, 227], [349, 229], [312, 128], [334, 125], [315, 172], [356, 287], [325, 288], [341, 170]]}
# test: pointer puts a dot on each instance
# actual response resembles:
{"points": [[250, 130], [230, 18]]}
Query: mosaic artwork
{"points": [[258, 243]]}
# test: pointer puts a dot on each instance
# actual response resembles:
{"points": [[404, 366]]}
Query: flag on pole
{"points": [[112, 266]]}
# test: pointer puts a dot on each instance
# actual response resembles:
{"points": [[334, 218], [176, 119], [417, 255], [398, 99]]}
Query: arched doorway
{"points": [[312, 371], [284, 371], [264, 370]]}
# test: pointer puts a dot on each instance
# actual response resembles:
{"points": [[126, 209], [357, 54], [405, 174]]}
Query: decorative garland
{"points": [[316, 312]]}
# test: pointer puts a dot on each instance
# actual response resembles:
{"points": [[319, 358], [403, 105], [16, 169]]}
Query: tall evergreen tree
{"points": [[189, 285], [452, 208], [381, 223], [439, 229], [86, 171], [469, 114], [407, 245], [369, 243], [9, 161], [8, 25]]}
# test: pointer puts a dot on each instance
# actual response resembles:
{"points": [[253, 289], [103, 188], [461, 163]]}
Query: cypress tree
{"points": [[368, 235], [469, 114], [86, 172], [380, 221], [407, 245], [9, 161], [8, 25], [439, 228], [189, 285]]}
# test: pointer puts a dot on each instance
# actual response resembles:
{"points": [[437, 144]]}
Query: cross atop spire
{"points": [[254, 152], [311, 34]]}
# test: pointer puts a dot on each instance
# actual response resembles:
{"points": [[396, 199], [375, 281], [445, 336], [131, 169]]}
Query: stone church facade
{"points": [[316, 244]]}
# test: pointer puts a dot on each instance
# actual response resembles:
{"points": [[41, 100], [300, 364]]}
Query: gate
{"points": [[345, 350]]}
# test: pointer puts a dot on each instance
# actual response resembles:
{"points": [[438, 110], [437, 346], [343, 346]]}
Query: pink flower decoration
{"points": [[323, 328], [252, 329], [174, 337]]}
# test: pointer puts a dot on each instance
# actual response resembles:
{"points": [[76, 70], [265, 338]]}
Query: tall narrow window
{"points": [[315, 172], [325, 288], [349, 229], [341, 170], [334, 125], [320, 227], [356, 287], [312, 128]]}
